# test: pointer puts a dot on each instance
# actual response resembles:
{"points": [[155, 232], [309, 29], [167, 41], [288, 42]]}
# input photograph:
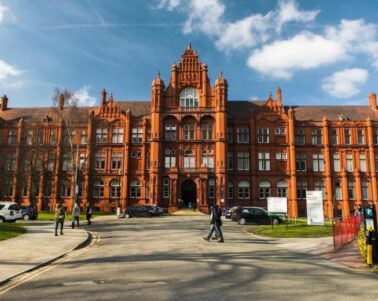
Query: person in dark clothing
{"points": [[215, 224], [88, 214], [60, 215]]}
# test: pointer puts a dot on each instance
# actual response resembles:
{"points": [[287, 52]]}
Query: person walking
{"points": [[75, 215], [60, 215], [88, 214], [215, 224]]}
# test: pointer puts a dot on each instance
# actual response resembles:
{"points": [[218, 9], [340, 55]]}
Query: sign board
{"points": [[315, 212], [277, 206]]}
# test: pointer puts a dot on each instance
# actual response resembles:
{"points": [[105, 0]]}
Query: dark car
{"points": [[228, 214], [133, 211], [254, 215], [29, 212], [154, 210]]}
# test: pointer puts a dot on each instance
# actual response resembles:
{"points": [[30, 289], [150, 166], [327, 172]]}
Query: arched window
{"points": [[188, 131], [98, 189], [282, 188], [135, 189], [65, 189], [115, 189], [211, 188], [230, 191], [207, 131], [244, 190], [170, 132], [189, 159], [264, 189], [166, 188], [189, 98]]}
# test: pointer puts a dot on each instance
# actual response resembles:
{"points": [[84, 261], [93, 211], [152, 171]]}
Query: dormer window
{"points": [[189, 98]]}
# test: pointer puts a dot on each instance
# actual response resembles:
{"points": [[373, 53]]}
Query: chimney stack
{"points": [[61, 102], [373, 100], [279, 97], [4, 103], [103, 96]]}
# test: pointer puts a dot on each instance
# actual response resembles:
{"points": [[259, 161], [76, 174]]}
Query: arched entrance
{"points": [[189, 194]]}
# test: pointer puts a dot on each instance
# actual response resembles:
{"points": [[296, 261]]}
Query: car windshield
{"points": [[14, 207], [1, 206]]}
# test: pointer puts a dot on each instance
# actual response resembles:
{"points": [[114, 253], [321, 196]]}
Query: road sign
{"points": [[315, 212], [277, 206]]}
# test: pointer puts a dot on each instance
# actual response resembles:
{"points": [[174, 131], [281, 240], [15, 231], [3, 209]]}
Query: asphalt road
{"points": [[166, 259]]}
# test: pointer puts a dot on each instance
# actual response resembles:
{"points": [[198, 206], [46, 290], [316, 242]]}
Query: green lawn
{"points": [[298, 229], [8, 230], [50, 216]]}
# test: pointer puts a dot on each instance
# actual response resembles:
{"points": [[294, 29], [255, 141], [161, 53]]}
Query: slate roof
{"points": [[239, 109]]}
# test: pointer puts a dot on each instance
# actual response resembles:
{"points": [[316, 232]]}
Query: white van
{"points": [[10, 212]]}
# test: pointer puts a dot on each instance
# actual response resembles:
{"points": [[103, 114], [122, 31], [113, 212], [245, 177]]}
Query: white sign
{"points": [[315, 213], [277, 206]]}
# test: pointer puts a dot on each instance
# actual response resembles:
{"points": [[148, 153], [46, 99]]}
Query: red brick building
{"points": [[190, 146]]}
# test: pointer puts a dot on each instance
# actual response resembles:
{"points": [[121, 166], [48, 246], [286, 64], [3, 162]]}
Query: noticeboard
{"points": [[315, 211], [277, 206]]}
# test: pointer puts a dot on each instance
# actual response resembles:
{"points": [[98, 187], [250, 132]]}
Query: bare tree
{"points": [[65, 104]]}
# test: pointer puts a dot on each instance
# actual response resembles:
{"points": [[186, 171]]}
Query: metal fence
{"points": [[345, 230]]}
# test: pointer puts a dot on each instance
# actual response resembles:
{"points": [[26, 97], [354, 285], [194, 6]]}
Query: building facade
{"points": [[189, 146]]}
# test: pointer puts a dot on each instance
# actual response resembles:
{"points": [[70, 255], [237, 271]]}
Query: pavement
{"points": [[37, 247], [165, 258]]}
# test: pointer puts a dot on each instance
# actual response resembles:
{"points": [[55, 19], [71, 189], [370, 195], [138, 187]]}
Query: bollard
{"points": [[369, 246]]}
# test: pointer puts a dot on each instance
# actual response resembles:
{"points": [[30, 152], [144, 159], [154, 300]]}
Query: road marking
{"points": [[13, 283]]}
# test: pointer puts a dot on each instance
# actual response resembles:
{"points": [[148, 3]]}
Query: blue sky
{"points": [[319, 52]]}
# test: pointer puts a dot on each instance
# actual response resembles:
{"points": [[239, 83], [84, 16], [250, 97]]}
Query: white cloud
{"points": [[208, 17], [204, 16], [244, 33], [7, 70], [3, 10], [84, 98], [281, 59], [270, 54], [168, 4], [288, 11], [345, 83]]}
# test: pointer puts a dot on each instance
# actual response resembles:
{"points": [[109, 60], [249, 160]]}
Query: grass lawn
{"points": [[9, 230], [50, 216], [297, 229]]}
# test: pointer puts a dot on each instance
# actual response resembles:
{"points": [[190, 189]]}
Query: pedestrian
{"points": [[358, 211], [75, 215], [216, 236], [215, 224], [60, 215], [88, 214]]}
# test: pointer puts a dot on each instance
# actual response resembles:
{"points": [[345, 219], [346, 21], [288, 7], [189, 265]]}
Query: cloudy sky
{"points": [[317, 51]]}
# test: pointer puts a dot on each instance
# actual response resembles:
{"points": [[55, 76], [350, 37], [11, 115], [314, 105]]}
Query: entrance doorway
{"points": [[189, 194]]}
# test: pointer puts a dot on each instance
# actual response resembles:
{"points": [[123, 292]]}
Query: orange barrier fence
{"points": [[345, 230]]}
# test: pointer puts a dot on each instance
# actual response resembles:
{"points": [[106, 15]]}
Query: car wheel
{"points": [[276, 221], [127, 215], [2, 219], [242, 221], [26, 217]]}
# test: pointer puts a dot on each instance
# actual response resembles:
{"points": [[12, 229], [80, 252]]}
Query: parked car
{"points": [[228, 214], [29, 212], [9, 212], [254, 215], [133, 211], [153, 209]]}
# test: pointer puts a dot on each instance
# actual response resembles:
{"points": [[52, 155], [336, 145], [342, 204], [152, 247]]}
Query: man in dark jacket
{"points": [[60, 214], [215, 224]]}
